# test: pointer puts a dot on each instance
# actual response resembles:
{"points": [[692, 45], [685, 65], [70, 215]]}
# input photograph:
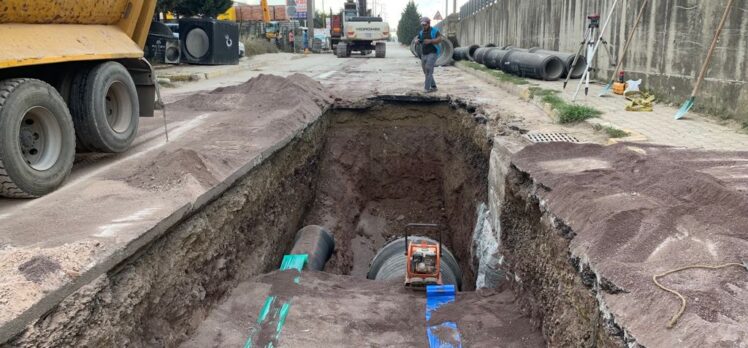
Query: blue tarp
{"points": [[436, 296]]}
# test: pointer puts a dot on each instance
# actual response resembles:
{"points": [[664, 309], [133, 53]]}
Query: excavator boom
{"points": [[265, 11]]}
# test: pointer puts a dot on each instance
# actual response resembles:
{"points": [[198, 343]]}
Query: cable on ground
{"points": [[674, 319]]}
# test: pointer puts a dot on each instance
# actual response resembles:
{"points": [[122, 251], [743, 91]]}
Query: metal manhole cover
{"points": [[551, 138]]}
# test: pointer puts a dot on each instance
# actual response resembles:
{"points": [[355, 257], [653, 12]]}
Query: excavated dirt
{"points": [[294, 93], [397, 164], [328, 310], [585, 227]]}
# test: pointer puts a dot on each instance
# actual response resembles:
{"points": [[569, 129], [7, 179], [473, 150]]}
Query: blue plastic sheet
{"points": [[443, 335]]}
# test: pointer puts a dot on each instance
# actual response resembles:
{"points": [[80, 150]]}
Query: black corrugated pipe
{"points": [[533, 65], [568, 59], [465, 53], [494, 58], [459, 53], [317, 242], [480, 53], [471, 52], [510, 47]]}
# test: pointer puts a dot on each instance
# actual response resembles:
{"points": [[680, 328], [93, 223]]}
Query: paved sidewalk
{"points": [[695, 131], [659, 126]]}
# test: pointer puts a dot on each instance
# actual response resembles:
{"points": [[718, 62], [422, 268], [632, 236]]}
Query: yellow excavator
{"points": [[72, 74], [272, 28]]}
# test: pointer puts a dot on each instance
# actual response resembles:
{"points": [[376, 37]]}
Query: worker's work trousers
{"points": [[427, 63]]}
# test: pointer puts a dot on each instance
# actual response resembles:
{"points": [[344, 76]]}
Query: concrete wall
{"points": [[667, 51]]}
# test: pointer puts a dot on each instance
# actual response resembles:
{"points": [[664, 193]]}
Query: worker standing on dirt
{"points": [[429, 38]]}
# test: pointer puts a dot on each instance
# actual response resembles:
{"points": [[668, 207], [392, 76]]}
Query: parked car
{"points": [[174, 29]]}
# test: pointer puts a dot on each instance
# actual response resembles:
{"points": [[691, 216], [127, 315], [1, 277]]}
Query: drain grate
{"points": [[551, 138]]}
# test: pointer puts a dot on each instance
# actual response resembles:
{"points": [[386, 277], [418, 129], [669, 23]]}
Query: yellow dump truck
{"points": [[72, 74]]}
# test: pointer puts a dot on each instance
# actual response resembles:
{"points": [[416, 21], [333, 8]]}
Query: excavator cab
{"points": [[423, 260], [271, 30]]}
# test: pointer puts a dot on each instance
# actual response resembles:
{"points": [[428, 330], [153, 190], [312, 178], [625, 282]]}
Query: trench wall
{"points": [[666, 53], [157, 297], [557, 291]]}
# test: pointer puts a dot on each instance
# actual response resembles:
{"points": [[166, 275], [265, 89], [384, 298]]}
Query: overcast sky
{"points": [[391, 9]]}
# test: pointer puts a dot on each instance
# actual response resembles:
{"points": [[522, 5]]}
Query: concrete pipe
{"points": [[568, 59], [445, 53], [494, 58], [389, 263], [533, 65], [413, 47], [317, 242], [446, 50]]}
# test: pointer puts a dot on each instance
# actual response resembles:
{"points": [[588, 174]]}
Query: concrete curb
{"points": [[197, 76]]}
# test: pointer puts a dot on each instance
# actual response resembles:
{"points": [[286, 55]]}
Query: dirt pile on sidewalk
{"points": [[262, 111]]}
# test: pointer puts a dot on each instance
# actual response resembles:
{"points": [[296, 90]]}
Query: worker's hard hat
{"points": [[425, 20]]}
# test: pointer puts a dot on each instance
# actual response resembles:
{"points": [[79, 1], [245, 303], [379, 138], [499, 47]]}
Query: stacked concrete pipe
{"points": [[568, 59]]}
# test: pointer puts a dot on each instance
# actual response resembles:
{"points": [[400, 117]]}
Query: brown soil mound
{"points": [[328, 310], [636, 211], [281, 93]]}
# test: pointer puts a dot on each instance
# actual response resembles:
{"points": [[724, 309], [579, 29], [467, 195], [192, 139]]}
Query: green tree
{"points": [[164, 6], [409, 24], [319, 19], [203, 8]]}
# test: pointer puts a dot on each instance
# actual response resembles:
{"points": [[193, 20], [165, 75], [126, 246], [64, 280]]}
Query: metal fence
{"points": [[251, 30], [474, 6]]}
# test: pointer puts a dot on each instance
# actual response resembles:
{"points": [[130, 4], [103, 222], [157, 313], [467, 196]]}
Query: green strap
{"points": [[280, 310]]}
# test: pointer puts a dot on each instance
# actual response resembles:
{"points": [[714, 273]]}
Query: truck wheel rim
{"points": [[40, 138], [118, 107]]}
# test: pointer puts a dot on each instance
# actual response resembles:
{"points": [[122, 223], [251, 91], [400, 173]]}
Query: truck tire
{"points": [[37, 139], [105, 109], [341, 50], [380, 49]]}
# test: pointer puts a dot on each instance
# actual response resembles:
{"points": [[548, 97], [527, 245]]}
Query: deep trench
{"points": [[362, 173], [397, 164]]}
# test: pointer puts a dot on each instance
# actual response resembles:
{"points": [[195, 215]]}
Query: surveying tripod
{"points": [[590, 41]]}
